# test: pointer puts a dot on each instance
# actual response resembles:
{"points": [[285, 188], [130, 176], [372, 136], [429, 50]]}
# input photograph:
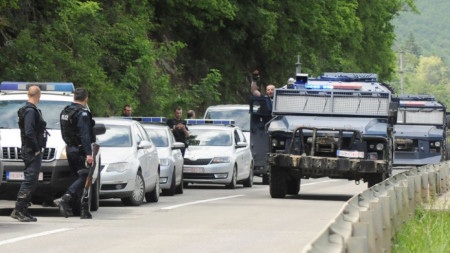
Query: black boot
{"points": [[85, 214], [64, 205], [19, 215], [27, 213]]}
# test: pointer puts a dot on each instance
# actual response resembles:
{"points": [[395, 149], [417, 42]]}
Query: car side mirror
{"points": [[99, 129], [241, 144], [144, 144], [178, 145]]}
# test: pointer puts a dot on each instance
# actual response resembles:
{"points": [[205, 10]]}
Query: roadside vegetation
{"points": [[428, 232], [157, 54]]}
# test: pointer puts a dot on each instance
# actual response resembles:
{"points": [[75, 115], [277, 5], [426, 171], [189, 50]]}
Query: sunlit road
{"points": [[206, 218]]}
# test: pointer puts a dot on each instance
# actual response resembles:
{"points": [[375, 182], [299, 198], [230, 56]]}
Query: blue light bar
{"points": [[148, 119], [23, 86], [319, 86], [210, 122]]}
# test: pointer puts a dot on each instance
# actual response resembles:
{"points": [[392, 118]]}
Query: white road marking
{"points": [[12, 240], [198, 202]]}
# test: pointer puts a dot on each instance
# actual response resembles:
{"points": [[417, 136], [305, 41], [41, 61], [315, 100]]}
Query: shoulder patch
{"points": [[84, 114]]}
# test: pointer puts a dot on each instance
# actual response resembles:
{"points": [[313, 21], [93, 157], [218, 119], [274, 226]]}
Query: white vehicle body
{"points": [[170, 158], [219, 155], [55, 176], [238, 112], [130, 162]]}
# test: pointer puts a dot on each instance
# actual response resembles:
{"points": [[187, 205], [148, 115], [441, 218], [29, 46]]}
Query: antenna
{"points": [[298, 66]]}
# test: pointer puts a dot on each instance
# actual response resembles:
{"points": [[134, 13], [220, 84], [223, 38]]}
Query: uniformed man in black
{"points": [[77, 131], [179, 128], [34, 138]]}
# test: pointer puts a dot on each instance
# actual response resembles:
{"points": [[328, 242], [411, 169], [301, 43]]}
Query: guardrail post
{"points": [[359, 243], [417, 189], [411, 197], [425, 187], [432, 183], [366, 217], [386, 216]]}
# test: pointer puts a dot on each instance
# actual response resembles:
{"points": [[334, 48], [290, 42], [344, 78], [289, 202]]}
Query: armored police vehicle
{"points": [[420, 131], [55, 176], [336, 126]]}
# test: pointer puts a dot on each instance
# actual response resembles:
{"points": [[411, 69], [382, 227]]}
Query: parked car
{"points": [[130, 162], [170, 158], [217, 154]]}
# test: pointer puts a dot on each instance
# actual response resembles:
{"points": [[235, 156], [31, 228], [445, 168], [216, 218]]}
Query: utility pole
{"points": [[298, 66], [402, 72]]}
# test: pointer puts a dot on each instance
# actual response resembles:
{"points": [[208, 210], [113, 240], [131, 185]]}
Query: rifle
{"points": [[93, 170]]}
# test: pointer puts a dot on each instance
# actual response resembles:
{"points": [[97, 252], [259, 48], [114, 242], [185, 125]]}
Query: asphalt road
{"points": [[206, 218]]}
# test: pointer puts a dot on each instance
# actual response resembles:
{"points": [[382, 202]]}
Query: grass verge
{"points": [[428, 232]]}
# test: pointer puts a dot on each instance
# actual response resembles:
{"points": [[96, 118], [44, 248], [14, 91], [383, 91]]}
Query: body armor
{"points": [[41, 133], [69, 120]]}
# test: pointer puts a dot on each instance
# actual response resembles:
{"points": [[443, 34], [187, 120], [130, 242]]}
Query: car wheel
{"points": [[137, 196], [95, 195], [277, 187], [249, 181], [171, 190], [232, 185], [179, 189], [153, 196]]}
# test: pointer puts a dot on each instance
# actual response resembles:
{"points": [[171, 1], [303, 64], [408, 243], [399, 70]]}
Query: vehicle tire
{"points": [[265, 179], [179, 189], [153, 196], [233, 183], [278, 187], [293, 186], [249, 181], [137, 196], [95, 195], [171, 190]]}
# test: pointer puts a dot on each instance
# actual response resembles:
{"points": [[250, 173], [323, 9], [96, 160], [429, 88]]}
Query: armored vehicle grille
{"points": [[14, 153]]}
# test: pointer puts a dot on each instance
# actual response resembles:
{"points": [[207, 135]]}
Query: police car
{"points": [[55, 176], [169, 153], [240, 113], [217, 153], [130, 162]]}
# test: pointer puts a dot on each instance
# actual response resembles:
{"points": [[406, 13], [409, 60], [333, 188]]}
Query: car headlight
{"points": [[63, 155], [164, 162], [380, 146], [224, 159], [117, 167], [437, 144]]}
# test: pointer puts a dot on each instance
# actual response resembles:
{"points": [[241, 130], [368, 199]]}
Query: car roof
{"points": [[115, 121], [229, 106], [155, 126], [45, 96], [213, 127]]}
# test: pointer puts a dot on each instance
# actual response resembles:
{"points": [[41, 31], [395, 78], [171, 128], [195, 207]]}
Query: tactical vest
{"points": [[41, 133], [68, 120]]}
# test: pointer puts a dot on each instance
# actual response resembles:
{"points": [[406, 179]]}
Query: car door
{"points": [[142, 153], [177, 157], [247, 153], [240, 155], [152, 158]]}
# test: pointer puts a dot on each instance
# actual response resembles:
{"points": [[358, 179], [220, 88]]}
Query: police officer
{"points": [[254, 88], [34, 138], [77, 131], [179, 128]]}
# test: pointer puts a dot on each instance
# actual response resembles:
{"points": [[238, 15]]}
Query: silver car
{"points": [[130, 162], [170, 158], [217, 154]]}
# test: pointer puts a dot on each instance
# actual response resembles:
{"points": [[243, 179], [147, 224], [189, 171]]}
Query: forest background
{"points": [[155, 55]]}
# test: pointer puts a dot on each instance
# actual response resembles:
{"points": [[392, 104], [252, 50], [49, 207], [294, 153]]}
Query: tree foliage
{"points": [[155, 55]]}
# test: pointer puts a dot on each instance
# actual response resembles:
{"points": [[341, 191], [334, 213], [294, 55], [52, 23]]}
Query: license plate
{"points": [[19, 176], [194, 170], [350, 154]]}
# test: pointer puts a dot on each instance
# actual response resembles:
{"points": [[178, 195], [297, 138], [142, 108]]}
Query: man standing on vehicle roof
{"points": [[77, 131], [254, 88], [179, 128], [34, 138]]}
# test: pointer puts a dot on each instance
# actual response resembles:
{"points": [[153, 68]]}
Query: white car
{"points": [[130, 162], [170, 158], [217, 154], [240, 113]]}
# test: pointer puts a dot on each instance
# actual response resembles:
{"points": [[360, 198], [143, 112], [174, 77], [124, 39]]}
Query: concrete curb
{"points": [[369, 220]]}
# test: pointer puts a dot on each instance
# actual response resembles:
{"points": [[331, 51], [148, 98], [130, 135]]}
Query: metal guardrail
{"points": [[369, 220]]}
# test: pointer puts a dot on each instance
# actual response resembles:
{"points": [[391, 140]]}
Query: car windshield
{"points": [[50, 112], [241, 116], [158, 136], [115, 136], [209, 137]]}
